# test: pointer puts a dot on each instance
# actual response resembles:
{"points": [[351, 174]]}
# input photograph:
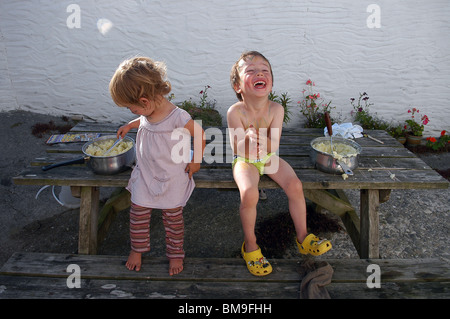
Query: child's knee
{"points": [[249, 197], [294, 187]]}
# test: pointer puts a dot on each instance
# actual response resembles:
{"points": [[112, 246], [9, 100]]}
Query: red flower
{"points": [[443, 132], [432, 140]]}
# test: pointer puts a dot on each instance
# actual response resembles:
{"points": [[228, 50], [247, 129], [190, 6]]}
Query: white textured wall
{"points": [[47, 67]]}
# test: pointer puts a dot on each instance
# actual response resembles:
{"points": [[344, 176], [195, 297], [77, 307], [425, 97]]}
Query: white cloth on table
{"points": [[345, 130]]}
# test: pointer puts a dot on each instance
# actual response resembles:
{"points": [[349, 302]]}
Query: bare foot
{"points": [[175, 266], [134, 261]]}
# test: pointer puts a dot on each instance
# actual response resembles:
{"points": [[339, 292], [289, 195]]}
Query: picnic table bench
{"points": [[382, 168], [48, 275]]}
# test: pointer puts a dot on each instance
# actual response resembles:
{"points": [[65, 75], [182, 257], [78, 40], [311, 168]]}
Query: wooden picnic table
{"points": [[382, 167]]}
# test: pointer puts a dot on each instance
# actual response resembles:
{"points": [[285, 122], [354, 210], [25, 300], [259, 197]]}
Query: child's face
{"points": [[145, 108], [255, 77]]}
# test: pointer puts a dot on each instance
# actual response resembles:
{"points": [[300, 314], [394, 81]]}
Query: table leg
{"points": [[370, 202], [87, 234]]}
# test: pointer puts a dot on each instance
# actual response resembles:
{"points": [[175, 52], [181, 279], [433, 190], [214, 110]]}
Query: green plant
{"points": [[204, 111], [439, 144], [313, 108], [363, 116], [284, 100], [397, 130], [204, 103], [413, 127]]}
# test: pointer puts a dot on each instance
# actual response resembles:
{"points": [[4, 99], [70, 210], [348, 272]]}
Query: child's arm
{"points": [[123, 130], [199, 146], [243, 141], [276, 125]]}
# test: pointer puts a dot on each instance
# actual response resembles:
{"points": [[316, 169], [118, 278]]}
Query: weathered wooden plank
{"points": [[291, 139], [314, 179], [390, 290], [109, 128], [56, 288], [375, 179], [70, 176], [113, 267], [88, 225], [298, 131], [297, 162], [370, 237], [52, 158], [223, 178], [367, 163], [44, 275], [221, 269], [112, 127], [352, 225], [305, 149]]}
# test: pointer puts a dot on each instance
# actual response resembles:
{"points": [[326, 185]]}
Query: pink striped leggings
{"points": [[173, 225]]}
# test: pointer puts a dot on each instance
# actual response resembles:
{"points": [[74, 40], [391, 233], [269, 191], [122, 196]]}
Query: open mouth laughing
{"points": [[259, 84]]}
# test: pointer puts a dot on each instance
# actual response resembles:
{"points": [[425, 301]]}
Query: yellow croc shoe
{"points": [[313, 245], [256, 263]]}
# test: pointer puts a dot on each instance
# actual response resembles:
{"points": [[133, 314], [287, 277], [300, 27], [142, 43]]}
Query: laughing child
{"points": [[255, 125]]}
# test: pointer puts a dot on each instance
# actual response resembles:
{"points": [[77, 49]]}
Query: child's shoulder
{"points": [[235, 106], [274, 106], [235, 109]]}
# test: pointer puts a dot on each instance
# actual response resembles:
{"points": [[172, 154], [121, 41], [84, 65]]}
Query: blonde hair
{"points": [[137, 78], [234, 76]]}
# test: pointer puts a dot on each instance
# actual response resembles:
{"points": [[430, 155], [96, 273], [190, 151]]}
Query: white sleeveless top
{"points": [[158, 179]]}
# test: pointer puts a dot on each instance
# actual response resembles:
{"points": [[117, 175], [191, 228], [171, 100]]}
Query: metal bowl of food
{"points": [[346, 152], [121, 158]]}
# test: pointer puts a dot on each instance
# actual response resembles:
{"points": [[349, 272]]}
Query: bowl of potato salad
{"points": [[120, 158], [327, 159]]}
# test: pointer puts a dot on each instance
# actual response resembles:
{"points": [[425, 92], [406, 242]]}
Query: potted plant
{"points": [[204, 110], [398, 132], [414, 128]]}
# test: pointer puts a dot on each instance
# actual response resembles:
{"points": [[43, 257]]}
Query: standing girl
{"points": [[161, 179]]}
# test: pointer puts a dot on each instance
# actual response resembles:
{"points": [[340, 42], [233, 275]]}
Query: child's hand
{"points": [[252, 136], [123, 130], [262, 145], [192, 168]]}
